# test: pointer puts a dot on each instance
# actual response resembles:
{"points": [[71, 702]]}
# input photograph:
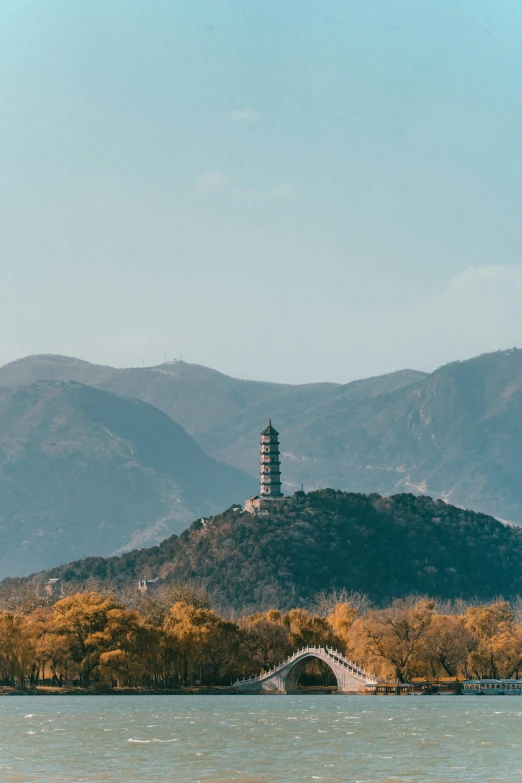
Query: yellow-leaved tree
{"points": [[78, 619], [497, 647], [341, 620], [265, 641], [388, 641], [306, 628], [445, 648], [130, 648], [17, 648], [199, 639]]}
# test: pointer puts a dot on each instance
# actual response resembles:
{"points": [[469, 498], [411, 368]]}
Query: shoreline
{"points": [[195, 690], [43, 690]]}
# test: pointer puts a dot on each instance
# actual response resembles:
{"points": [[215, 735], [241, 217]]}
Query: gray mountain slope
{"points": [[455, 433], [221, 413], [85, 471]]}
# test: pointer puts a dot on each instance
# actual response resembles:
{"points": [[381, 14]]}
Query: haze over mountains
{"points": [[455, 433], [90, 463], [85, 471]]}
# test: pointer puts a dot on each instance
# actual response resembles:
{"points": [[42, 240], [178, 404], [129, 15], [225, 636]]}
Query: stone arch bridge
{"points": [[350, 677]]}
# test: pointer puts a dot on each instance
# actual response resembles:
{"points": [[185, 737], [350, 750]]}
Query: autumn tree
{"points": [[497, 649], [484, 621], [266, 640], [129, 648], [52, 649], [199, 638], [155, 605], [308, 629], [17, 648], [340, 620], [79, 618], [446, 646], [389, 639]]}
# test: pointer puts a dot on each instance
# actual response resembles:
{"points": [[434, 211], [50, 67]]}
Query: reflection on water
{"points": [[270, 739]]}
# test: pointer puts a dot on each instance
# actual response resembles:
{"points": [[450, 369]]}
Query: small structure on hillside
{"points": [[144, 585], [270, 472], [51, 586]]}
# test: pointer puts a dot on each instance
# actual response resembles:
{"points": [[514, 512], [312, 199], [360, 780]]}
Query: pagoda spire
{"points": [[270, 471]]}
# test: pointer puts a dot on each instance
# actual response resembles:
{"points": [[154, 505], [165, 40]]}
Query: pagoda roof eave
{"points": [[269, 430]]}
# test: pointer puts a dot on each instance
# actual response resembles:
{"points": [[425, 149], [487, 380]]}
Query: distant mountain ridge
{"points": [[455, 433], [213, 407], [85, 471], [324, 541], [223, 414]]}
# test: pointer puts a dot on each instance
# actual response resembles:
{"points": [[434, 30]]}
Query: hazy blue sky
{"points": [[288, 190]]}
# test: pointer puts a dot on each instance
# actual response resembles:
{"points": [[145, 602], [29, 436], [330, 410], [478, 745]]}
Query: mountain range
{"points": [[455, 434]]}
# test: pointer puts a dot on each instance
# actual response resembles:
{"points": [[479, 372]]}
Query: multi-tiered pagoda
{"points": [[270, 472], [270, 483]]}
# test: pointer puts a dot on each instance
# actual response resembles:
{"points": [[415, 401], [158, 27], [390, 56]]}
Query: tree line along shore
{"points": [[173, 639]]}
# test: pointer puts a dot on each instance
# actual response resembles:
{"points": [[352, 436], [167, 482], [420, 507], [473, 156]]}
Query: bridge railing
{"points": [[336, 656]]}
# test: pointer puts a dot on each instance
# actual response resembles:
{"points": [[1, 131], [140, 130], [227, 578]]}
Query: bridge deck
{"points": [[342, 667]]}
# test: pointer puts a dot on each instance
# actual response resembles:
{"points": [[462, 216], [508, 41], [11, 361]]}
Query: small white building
{"points": [[144, 585]]}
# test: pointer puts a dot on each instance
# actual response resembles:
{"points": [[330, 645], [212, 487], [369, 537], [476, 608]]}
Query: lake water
{"points": [[256, 739]]}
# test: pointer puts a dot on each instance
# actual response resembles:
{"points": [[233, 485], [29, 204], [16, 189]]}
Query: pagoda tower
{"points": [[270, 473]]}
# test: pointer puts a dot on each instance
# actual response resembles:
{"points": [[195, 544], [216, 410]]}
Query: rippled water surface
{"points": [[271, 739]]}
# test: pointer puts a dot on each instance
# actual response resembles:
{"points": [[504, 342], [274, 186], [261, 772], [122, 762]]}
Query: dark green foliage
{"points": [[386, 547]]}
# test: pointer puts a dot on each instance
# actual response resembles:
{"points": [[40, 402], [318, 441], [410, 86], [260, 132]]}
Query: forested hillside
{"points": [[386, 547]]}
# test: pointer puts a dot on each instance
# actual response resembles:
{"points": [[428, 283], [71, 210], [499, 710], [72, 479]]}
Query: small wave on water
{"points": [[260, 740]]}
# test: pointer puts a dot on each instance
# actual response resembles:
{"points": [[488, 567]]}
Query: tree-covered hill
{"points": [[386, 547]]}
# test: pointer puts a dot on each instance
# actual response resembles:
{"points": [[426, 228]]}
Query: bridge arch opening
{"points": [[311, 674]]}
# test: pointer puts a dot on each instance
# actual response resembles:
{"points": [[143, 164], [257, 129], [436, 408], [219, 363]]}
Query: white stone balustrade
{"points": [[284, 677]]}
